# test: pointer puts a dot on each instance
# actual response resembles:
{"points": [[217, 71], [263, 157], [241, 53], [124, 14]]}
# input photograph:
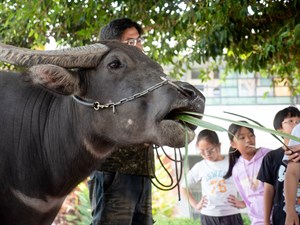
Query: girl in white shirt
{"points": [[217, 193]]}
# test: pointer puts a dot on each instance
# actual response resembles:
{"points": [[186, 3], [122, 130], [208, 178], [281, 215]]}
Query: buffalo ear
{"points": [[55, 78]]}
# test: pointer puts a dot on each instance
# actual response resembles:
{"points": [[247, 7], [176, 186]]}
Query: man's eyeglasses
{"points": [[209, 151], [135, 41], [291, 121]]}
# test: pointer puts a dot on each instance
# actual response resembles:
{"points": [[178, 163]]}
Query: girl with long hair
{"points": [[244, 163]]}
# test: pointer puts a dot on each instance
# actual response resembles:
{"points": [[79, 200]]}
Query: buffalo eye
{"points": [[116, 64]]}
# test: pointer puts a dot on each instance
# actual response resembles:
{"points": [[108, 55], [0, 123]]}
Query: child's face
{"points": [[244, 142], [209, 151], [288, 124]]}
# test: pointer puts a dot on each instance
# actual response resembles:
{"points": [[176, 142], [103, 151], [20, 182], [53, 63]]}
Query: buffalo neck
{"points": [[55, 158]]}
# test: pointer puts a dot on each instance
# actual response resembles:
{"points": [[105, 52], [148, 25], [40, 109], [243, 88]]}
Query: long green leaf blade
{"points": [[200, 123], [267, 130]]}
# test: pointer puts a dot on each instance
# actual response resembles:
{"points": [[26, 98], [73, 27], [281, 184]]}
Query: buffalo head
{"points": [[108, 73]]}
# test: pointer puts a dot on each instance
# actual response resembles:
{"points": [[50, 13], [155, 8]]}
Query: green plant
{"points": [[252, 36], [189, 117], [163, 220], [76, 209], [162, 201], [246, 219], [82, 213]]}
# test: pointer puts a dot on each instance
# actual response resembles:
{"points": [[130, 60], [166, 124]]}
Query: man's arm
{"points": [[292, 177]]}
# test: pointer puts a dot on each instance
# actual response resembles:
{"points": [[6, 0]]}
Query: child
{"points": [[214, 205], [272, 171], [244, 163], [290, 187]]}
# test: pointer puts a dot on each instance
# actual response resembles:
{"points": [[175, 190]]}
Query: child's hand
{"points": [[235, 202], [203, 203]]}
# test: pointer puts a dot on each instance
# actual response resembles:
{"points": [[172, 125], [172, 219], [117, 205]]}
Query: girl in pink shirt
{"points": [[244, 163]]}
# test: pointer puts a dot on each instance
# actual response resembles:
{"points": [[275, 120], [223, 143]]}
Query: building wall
{"points": [[241, 89]]}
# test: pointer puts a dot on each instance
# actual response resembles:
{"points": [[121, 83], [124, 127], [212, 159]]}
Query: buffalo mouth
{"points": [[173, 116], [174, 132]]}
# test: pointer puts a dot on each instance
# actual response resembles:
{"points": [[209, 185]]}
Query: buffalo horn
{"points": [[78, 57]]}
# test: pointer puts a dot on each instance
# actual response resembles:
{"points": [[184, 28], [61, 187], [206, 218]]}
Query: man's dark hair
{"points": [[115, 29]]}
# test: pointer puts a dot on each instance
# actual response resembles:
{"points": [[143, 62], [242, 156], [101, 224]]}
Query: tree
{"points": [[248, 35]]}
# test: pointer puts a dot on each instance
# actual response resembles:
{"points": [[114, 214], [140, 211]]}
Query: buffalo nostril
{"points": [[188, 90]]}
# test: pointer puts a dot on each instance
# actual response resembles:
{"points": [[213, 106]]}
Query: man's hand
{"points": [[292, 218], [293, 153]]}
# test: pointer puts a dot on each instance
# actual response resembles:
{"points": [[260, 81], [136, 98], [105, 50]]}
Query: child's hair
{"points": [[209, 135], [287, 112], [234, 154]]}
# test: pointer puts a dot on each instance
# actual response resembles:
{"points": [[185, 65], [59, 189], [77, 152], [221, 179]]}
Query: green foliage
{"points": [[248, 35], [163, 220], [76, 209], [162, 201], [246, 219], [82, 208]]}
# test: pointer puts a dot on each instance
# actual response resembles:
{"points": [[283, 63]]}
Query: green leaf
{"points": [[196, 121], [259, 124], [200, 123]]}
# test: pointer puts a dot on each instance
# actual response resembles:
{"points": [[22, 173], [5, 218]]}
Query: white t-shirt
{"points": [[295, 132], [214, 186]]}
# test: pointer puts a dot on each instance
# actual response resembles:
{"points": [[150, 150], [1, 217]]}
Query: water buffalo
{"points": [[69, 110]]}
